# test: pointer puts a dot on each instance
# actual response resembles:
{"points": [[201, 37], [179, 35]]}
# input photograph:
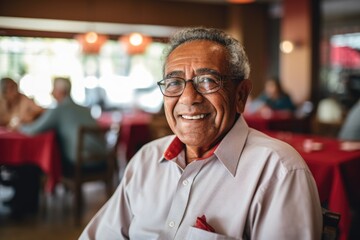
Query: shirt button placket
{"points": [[171, 224], [179, 202]]}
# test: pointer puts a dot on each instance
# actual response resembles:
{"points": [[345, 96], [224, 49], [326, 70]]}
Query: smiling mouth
{"points": [[194, 117]]}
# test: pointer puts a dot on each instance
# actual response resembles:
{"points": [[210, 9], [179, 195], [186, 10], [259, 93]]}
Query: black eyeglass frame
{"points": [[221, 81]]}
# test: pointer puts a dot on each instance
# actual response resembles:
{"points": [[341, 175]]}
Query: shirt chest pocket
{"points": [[199, 234]]}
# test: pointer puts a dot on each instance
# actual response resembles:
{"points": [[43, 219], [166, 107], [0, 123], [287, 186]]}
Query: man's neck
{"points": [[192, 154]]}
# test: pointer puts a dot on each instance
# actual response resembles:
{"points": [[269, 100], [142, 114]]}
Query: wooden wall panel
{"points": [[155, 12]]}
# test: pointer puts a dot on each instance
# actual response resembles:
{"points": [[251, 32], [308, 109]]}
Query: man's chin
{"points": [[193, 139]]}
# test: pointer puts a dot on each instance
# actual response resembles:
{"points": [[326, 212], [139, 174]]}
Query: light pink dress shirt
{"points": [[252, 187]]}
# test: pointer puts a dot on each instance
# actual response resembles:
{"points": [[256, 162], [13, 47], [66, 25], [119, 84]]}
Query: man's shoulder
{"points": [[68, 105], [274, 151], [263, 139]]}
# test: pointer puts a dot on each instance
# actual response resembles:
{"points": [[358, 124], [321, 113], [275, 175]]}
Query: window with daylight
{"points": [[111, 79]]}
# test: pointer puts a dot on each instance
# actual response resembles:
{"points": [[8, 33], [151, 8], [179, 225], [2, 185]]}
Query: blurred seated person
{"points": [[65, 119], [350, 130], [15, 107], [274, 99]]}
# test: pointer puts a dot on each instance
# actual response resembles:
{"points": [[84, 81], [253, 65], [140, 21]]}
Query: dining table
{"points": [[134, 129], [277, 121], [41, 150], [335, 169]]}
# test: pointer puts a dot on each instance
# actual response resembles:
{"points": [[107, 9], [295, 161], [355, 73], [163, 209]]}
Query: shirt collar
{"points": [[173, 150], [228, 151], [232, 145], [176, 146]]}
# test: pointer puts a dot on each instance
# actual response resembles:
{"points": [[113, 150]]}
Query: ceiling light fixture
{"points": [[135, 43], [241, 1], [91, 42]]}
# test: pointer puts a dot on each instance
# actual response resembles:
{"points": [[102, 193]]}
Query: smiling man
{"points": [[216, 178]]}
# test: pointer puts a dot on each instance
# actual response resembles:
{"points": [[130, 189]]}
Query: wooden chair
{"points": [[326, 129], [92, 167], [159, 127], [328, 118]]}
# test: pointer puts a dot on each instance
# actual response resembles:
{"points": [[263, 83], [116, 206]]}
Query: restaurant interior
{"points": [[112, 53]]}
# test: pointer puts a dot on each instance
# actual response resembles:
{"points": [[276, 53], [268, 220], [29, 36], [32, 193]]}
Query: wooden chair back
{"points": [[92, 166]]}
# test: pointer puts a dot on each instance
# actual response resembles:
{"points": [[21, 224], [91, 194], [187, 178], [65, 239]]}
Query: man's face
{"points": [[200, 120], [56, 94], [271, 89]]}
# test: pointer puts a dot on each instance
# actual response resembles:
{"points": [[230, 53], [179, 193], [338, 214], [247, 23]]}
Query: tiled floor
{"points": [[54, 220]]}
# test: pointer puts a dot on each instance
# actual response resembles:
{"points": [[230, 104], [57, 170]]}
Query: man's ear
{"points": [[242, 92]]}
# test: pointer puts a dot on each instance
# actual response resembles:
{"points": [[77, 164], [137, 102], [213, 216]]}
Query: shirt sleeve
{"points": [[45, 122], [112, 222], [289, 208]]}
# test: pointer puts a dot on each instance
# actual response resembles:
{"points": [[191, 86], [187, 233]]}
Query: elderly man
{"points": [[216, 178]]}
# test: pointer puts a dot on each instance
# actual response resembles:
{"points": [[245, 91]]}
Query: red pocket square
{"points": [[202, 224]]}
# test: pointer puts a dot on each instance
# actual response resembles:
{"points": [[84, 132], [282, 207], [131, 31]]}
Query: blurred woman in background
{"points": [[15, 107], [273, 99]]}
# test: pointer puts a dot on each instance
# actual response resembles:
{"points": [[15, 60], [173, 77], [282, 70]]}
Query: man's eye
{"points": [[169, 83], [208, 79]]}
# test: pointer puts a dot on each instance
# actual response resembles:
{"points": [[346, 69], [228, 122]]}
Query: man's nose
{"points": [[190, 95]]}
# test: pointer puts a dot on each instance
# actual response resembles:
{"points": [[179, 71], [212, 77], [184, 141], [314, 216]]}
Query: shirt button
{"points": [[185, 182], [172, 224]]}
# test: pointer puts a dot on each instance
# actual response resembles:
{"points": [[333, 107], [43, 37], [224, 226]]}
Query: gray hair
{"points": [[238, 63]]}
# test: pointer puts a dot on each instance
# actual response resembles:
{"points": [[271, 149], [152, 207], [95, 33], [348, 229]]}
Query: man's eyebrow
{"points": [[201, 71], [174, 74]]}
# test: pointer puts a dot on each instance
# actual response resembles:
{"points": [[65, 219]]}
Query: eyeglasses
{"points": [[204, 84]]}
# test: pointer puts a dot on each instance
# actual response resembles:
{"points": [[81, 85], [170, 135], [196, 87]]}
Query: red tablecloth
{"points": [[278, 121], [336, 173], [134, 129], [40, 150]]}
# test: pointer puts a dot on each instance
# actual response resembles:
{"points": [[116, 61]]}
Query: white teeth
{"points": [[194, 117]]}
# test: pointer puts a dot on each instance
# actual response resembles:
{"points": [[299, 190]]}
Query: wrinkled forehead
{"points": [[196, 47], [197, 54]]}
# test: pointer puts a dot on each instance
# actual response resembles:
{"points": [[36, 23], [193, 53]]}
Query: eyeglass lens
{"points": [[203, 84]]}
